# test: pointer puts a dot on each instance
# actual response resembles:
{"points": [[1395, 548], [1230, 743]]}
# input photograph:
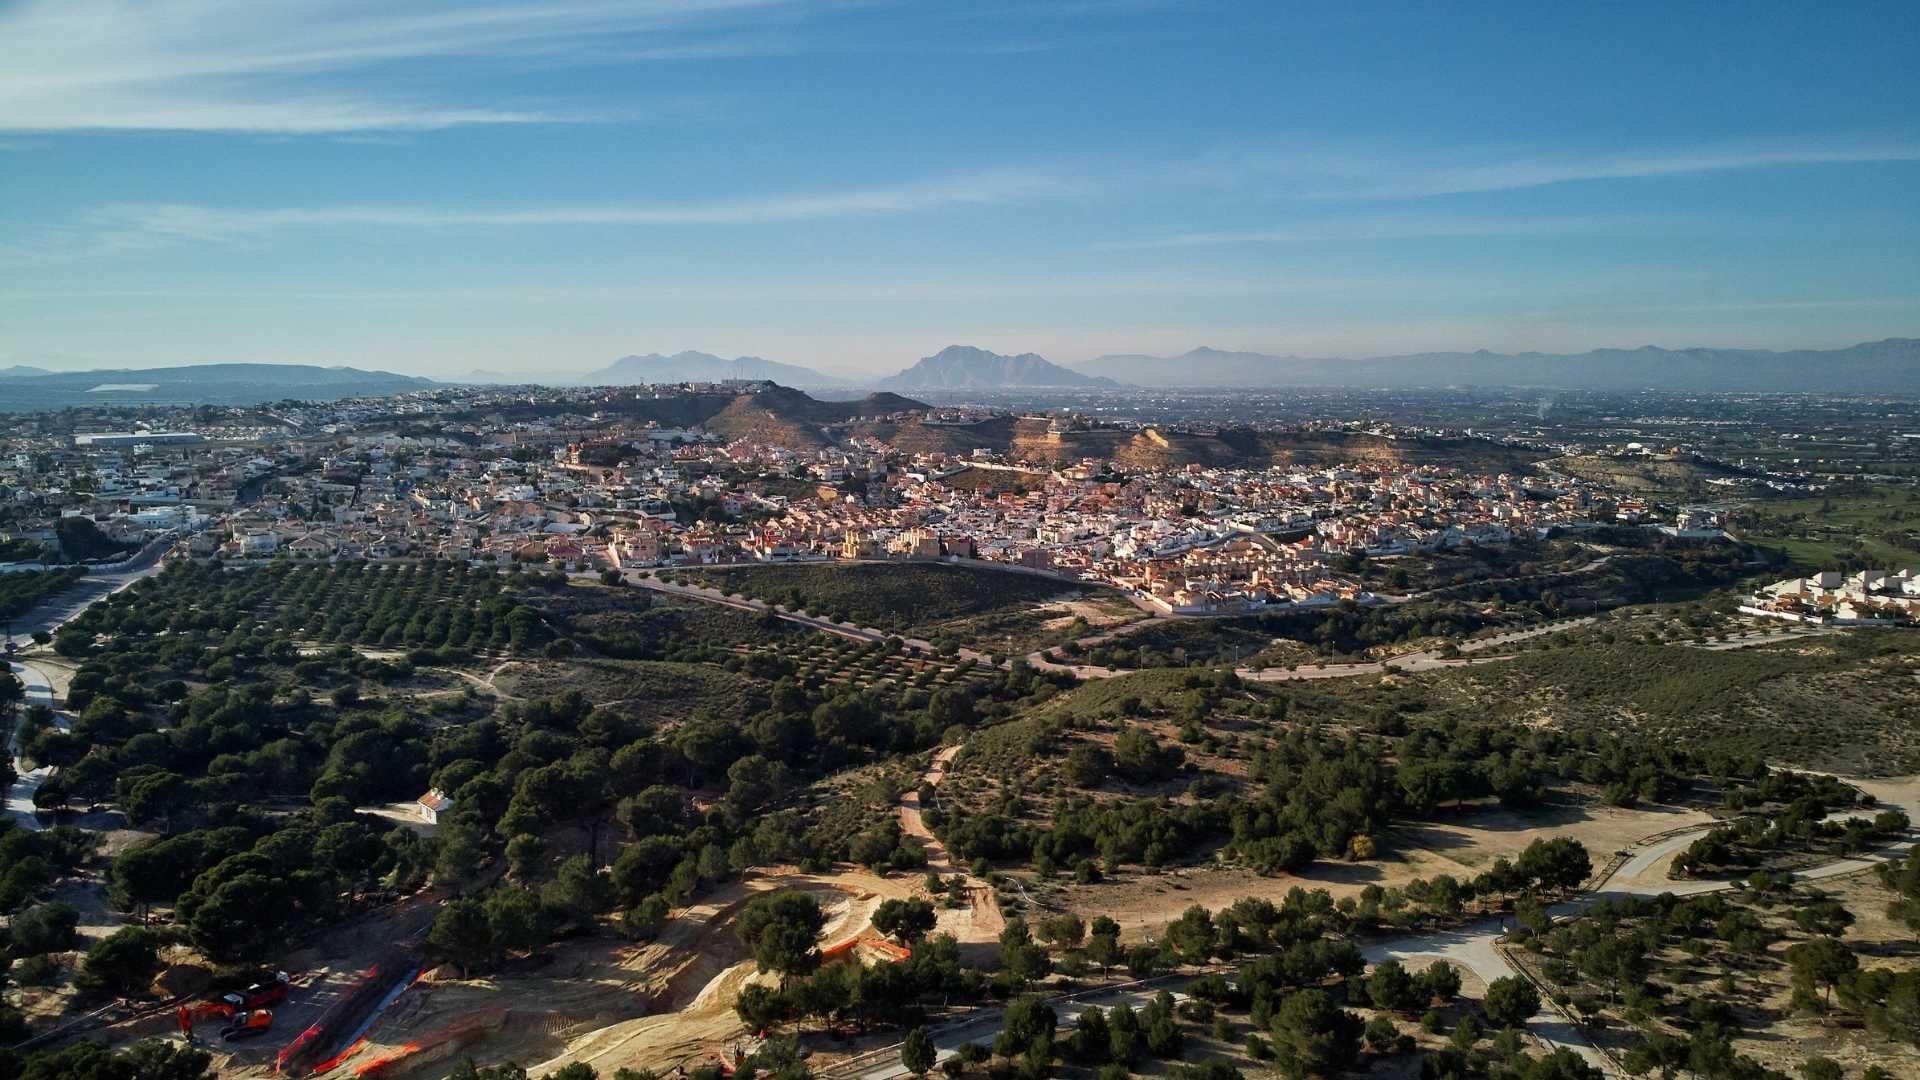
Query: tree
{"points": [[905, 920], [578, 890], [1191, 935], [762, 1008], [525, 853], [44, 928], [1392, 989], [1020, 958], [460, 934], [1559, 863], [1312, 1036], [782, 928], [122, 962], [1440, 981], [644, 920], [1381, 1035], [917, 1052], [1511, 1001], [1091, 1040], [515, 919], [1821, 962], [150, 1059], [1104, 949], [1821, 1068], [1065, 930], [1028, 1023]]}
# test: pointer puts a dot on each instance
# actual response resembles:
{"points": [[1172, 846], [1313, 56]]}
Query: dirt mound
{"points": [[613, 1004]]}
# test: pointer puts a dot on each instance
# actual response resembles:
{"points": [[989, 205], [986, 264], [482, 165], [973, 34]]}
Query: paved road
{"points": [[53, 613], [20, 795], [1765, 637], [42, 685], [1473, 946], [981, 1027]]}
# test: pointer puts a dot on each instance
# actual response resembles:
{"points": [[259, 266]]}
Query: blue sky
{"points": [[545, 185]]}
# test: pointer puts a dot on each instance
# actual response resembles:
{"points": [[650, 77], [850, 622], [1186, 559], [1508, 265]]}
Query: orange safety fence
{"points": [[894, 953], [361, 1037], [433, 1046]]}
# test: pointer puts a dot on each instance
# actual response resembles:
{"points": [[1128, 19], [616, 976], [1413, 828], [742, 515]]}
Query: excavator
{"points": [[247, 1024], [199, 1012], [244, 1013]]}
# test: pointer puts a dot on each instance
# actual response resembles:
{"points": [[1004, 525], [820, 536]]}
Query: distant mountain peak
{"points": [[969, 367], [691, 365]]}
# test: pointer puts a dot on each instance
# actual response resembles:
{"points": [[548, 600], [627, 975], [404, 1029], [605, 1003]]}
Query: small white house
{"points": [[433, 804]]}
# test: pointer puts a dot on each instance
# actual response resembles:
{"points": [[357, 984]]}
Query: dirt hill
{"points": [[786, 417], [1030, 440]]}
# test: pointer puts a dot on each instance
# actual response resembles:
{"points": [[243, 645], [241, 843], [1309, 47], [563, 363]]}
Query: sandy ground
{"points": [[981, 920], [1142, 903], [613, 1004], [1474, 840], [912, 823], [1099, 614], [1880, 943], [670, 1001]]}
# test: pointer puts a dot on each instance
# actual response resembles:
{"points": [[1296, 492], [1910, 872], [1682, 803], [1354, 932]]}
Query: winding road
{"points": [[44, 687], [20, 795]]}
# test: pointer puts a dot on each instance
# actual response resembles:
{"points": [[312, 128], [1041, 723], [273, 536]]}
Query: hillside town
{"points": [[582, 489]]}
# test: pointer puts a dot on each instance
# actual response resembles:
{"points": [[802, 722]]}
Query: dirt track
{"points": [[669, 1001], [612, 1004]]}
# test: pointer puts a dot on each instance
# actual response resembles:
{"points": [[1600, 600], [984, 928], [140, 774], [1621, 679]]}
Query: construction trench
{"points": [[342, 1029]]}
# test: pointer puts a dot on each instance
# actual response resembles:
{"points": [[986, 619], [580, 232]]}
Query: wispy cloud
{"points": [[859, 293], [302, 66], [1352, 230], [231, 223], [1336, 170]]}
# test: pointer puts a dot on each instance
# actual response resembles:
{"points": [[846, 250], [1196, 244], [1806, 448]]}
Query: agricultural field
{"points": [[634, 624], [20, 592], [992, 610], [1249, 642], [819, 660], [1868, 527]]}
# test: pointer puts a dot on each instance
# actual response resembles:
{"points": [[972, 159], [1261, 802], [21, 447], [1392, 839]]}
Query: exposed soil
{"points": [[1142, 903]]}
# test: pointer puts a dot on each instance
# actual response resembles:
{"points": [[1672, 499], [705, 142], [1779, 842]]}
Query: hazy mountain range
{"points": [[963, 367], [199, 384], [690, 366], [1890, 366]]}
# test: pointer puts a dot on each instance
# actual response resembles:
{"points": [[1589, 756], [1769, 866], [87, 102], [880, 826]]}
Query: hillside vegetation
{"points": [[918, 599]]}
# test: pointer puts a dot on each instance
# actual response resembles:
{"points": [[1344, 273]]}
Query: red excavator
{"points": [[247, 1024], [247, 1006], [201, 1011]]}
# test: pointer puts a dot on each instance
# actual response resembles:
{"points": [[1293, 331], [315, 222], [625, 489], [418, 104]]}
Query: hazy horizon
{"points": [[441, 188], [559, 371]]}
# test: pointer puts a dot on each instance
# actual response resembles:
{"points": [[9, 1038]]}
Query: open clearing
{"points": [[1142, 903]]}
